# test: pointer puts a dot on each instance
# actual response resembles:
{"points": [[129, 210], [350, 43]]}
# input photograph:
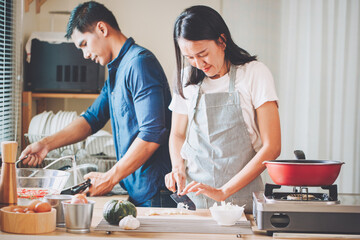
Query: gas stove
{"points": [[301, 211]]}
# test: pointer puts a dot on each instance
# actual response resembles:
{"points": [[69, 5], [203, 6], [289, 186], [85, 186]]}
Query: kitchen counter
{"points": [[60, 233]]}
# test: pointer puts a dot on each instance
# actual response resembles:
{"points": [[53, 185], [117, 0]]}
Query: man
{"points": [[135, 98]]}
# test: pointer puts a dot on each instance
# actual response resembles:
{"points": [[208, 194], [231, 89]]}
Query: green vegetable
{"points": [[115, 210]]}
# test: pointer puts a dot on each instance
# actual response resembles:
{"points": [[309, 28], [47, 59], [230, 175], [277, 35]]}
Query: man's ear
{"points": [[102, 28]]}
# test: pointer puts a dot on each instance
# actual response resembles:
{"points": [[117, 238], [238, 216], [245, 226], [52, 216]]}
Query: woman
{"points": [[225, 119]]}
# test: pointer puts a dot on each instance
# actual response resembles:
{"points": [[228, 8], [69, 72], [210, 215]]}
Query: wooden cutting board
{"points": [[199, 221]]}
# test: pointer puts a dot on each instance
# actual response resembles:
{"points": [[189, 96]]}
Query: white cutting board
{"points": [[199, 221], [174, 213]]}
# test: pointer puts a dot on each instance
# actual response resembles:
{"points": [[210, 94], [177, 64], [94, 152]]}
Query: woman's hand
{"points": [[175, 179], [199, 188]]}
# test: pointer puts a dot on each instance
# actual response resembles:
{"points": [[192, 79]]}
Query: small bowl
{"points": [[226, 215]]}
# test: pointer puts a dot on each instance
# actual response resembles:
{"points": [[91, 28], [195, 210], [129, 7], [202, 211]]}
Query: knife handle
{"points": [[77, 188]]}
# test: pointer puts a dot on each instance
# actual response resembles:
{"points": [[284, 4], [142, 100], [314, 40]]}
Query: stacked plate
{"points": [[48, 123], [38, 125], [60, 120]]}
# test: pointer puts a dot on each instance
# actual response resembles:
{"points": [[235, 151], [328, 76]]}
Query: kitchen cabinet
{"points": [[40, 100]]}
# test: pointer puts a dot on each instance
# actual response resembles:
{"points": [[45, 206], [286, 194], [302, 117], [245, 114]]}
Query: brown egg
{"points": [[32, 204], [29, 211], [18, 209], [13, 207], [42, 207]]}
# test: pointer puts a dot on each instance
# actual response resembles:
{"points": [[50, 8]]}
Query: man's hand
{"points": [[101, 183], [199, 188], [34, 153]]}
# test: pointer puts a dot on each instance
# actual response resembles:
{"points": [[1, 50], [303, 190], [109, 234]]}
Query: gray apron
{"points": [[218, 145]]}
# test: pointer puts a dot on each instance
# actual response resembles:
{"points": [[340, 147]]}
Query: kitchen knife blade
{"points": [[185, 200]]}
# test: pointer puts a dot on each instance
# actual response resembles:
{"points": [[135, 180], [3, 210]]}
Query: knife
{"points": [[184, 199], [77, 188]]}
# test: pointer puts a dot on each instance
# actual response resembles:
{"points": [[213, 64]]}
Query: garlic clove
{"points": [[129, 223]]}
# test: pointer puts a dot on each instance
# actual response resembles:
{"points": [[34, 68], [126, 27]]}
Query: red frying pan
{"points": [[303, 172]]}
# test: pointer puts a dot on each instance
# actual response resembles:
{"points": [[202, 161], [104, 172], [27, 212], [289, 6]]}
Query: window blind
{"points": [[9, 65]]}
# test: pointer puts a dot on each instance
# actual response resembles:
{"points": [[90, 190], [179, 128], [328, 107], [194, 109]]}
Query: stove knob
{"points": [[280, 220]]}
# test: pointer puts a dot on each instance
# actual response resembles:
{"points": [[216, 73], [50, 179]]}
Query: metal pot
{"points": [[303, 172]]}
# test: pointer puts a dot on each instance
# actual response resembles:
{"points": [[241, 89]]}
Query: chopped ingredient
{"points": [[173, 211], [32, 193]]}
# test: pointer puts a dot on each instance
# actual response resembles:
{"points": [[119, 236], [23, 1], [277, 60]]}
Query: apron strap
{"points": [[232, 76], [193, 111]]}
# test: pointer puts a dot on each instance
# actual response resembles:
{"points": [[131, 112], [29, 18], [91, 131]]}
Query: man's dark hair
{"points": [[86, 15]]}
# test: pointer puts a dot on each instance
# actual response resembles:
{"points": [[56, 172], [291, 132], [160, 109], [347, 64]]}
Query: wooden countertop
{"points": [[60, 233]]}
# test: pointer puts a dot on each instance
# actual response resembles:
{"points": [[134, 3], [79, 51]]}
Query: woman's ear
{"points": [[102, 28], [222, 40]]}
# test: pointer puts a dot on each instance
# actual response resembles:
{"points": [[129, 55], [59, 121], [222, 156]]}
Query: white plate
{"points": [[65, 119], [54, 123], [73, 116], [38, 127], [69, 118], [42, 124], [60, 121], [34, 123], [48, 124]]}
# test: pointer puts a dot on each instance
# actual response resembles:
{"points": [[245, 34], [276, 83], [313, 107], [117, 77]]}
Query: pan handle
{"points": [[299, 154]]}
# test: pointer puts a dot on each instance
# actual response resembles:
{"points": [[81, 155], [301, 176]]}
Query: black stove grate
{"points": [[332, 194]]}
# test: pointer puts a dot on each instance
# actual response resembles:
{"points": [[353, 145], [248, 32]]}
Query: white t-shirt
{"points": [[255, 84]]}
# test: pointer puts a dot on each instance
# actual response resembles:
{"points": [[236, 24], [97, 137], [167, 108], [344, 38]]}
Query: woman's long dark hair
{"points": [[204, 23]]}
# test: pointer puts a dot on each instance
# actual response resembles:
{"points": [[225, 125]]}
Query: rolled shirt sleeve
{"points": [[98, 114], [147, 89]]}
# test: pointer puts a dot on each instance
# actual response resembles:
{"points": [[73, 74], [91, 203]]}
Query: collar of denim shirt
{"points": [[115, 63]]}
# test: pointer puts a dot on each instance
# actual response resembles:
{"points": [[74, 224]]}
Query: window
{"points": [[10, 84]]}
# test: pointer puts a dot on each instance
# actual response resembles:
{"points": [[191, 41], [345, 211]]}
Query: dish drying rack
{"points": [[88, 151], [95, 146]]}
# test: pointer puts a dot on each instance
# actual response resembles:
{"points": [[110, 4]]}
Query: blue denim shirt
{"points": [[135, 98]]}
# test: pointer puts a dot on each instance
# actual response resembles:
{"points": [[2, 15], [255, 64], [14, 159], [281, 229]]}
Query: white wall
{"points": [[255, 27]]}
